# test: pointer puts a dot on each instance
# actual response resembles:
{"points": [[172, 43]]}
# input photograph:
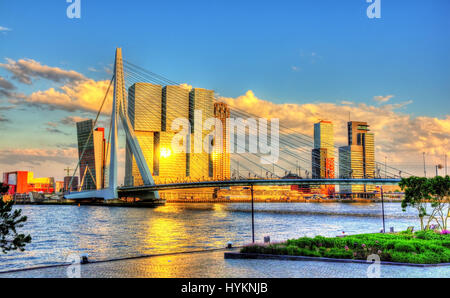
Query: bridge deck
{"points": [[258, 182]]}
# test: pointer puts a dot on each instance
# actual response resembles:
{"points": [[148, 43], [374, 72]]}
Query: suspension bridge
{"points": [[294, 166]]}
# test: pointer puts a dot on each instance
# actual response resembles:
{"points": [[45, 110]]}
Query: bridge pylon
{"points": [[119, 111]]}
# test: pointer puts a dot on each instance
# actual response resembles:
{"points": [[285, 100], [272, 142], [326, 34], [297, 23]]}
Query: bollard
{"points": [[84, 259], [230, 245], [267, 239]]}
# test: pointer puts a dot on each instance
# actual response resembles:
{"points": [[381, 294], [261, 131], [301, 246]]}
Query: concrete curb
{"points": [[239, 255], [65, 264]]}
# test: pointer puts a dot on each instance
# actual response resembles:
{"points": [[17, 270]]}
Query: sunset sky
{"points": [[301, 61]]}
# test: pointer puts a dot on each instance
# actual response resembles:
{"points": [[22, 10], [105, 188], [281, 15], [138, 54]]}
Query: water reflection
{"points": [[106, 233]]}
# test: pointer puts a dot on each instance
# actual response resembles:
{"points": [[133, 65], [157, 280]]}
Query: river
{"points": [[116, 232]]}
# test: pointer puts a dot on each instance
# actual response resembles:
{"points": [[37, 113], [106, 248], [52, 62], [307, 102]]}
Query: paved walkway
{"points": [[213, 264]]}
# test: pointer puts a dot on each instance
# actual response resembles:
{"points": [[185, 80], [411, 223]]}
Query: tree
{"points": [[422, 192], [417, 193], [9, 222], [3, 188], [440, 199]]}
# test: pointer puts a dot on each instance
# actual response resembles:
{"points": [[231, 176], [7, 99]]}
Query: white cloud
{"points": [[24, 70], [399, 136], [345, 102], [4, 29], [5, 84], [186, 86], [382, 99], [71, 120], [85, 95]]}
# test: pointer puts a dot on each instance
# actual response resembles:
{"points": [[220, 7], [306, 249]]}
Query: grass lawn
{"points": [[423, 247]]}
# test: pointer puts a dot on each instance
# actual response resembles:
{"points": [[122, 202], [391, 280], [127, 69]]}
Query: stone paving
{"points": [[213, 264]]}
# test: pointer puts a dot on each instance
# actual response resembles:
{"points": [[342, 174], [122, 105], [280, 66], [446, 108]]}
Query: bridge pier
{"points": [[142, 196]]}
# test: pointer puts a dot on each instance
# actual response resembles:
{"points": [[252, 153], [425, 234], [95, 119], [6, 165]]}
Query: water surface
{"points": [[115, 232]]}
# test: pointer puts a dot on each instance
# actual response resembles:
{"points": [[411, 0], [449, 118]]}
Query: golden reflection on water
{"points": [[220, 210], [169, 208], [170, 234]]}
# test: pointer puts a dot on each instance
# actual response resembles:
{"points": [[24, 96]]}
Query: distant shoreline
{"points": [[194, 201]]}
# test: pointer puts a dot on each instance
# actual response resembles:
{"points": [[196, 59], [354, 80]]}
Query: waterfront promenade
{"points": [[212, 264], [111, 233]]}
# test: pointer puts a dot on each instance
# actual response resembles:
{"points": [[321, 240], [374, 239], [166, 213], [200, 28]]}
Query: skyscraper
{"points": [[175, 104], [200, 165], [92, 161], [357, 160], [221, 160], [152, 110], [324, 136], [144, 112], [323, 154]]}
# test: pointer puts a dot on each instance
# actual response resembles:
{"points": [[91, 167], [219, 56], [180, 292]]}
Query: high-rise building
{"points": [[168, 166], [92, 161], [200, 164], [152, 110], [221, 157], [324, 137], [175, 104], [144, 112], [67, 180], [357, 160], [144, 106], [323, 154]]}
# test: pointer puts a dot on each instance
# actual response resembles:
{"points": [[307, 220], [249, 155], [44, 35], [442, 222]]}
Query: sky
{"points": [[307, 60]]}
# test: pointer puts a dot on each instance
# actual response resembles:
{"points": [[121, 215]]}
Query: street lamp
{"points": [[382, 208], [253, 213]]}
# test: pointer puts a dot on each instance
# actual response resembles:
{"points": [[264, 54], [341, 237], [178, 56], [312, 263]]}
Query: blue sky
{"points": [[301, 52], [233, 46]]}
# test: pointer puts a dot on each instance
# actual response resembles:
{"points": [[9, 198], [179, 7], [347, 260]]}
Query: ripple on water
{"points": [[106, 233]]}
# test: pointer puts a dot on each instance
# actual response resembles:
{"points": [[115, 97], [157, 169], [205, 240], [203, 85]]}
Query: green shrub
{"points": [[401, 257], [338, 253], [390, 244], [310, 253], [404, 247], [301, 242], [436, 248], [424, 247], [430, 258], [427, 235]]}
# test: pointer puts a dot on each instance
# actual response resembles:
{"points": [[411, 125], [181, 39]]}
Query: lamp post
{"points": [[382, 208], [253, 212], [253, 216]]}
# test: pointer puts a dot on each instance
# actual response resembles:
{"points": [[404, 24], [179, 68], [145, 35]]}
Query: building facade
{"points": [[155, 130], [144, 112], [221, 157], [357, 160], [23, 182], [200, 164], [323, 155], [67, 183], [92, 162]]}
